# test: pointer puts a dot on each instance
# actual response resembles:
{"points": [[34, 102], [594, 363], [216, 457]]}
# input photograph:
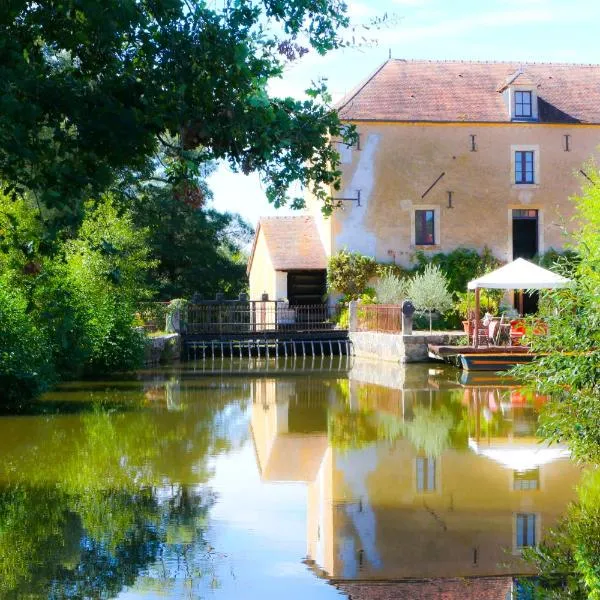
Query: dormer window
{"points": [[520, 95], [523, 105]]}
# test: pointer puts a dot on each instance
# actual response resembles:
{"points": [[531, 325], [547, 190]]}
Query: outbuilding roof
{"points": [[293, 243], [462, 91]]}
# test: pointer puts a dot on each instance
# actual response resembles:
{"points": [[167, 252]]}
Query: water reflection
{"points": [[219, 479], [423, 477]]}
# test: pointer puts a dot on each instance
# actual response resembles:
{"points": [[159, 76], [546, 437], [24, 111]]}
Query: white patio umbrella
{"points": [[520, 274]]}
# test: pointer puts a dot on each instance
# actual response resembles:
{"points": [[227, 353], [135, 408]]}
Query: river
{"points": [[306, 478]]}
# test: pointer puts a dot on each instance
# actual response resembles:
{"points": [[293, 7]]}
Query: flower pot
{"points": [[467, 327]]}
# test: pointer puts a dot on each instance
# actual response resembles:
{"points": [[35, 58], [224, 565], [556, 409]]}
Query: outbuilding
{"points": [[288, 261]]}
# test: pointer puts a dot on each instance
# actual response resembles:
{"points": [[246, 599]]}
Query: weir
{"points": [[267, 328], [267, 348]]}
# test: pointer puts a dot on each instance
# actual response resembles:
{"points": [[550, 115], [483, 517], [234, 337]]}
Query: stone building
{"points": [[458, 154]]}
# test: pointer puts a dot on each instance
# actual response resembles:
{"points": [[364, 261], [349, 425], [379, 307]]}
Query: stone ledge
{"points": [[396, 347], [162, 348]]}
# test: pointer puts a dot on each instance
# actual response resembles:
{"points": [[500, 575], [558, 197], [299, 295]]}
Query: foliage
{"points": [[460, 266], [78, 301], [568, 368], [25, 366], [429, 291], [488, 302], [567, 559], [567, 259], [91, 89], [195, 249], [348, 273], [390, 289]]}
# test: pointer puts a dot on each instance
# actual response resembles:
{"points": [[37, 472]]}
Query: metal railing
{"points": [[234, 317], [379, 317]]}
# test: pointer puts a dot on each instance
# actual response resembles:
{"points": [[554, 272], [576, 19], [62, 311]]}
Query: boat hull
{"points": [[493, 362]]}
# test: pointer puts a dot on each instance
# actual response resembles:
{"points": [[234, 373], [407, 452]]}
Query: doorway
{"points": [[306, 287], [525, 236]]}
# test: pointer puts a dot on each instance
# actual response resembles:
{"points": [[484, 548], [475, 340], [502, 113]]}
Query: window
{"points": [[524, 171], [525, 530], [526, 480], [425, 474], [523, 105], [424, 227]]}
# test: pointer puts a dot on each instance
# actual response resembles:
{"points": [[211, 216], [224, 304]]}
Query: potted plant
{"points": [[488, 302]]}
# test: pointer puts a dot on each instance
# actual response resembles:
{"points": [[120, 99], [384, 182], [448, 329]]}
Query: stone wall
{"points": [[396, 347], [162, 348]]}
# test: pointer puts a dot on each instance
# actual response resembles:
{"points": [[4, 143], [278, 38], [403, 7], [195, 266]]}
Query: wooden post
{"points": [[521, 292], [476, 323]]}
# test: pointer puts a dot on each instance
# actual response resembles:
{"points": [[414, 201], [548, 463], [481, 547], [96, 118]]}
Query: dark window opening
{"points": [[525, 245], [525, 233], [424, 227], [523, 105], [524, 170], [307, 287]]}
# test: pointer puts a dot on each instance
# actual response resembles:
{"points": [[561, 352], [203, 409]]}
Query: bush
{"points": [[460, 266], [391, 289], [348, 273], [25, 365]]}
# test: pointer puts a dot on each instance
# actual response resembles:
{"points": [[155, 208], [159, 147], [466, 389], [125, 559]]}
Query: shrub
{"points": [[489, 301], [460, 266], [25, 365], [429, 292], [348, 273], [391, 289]]}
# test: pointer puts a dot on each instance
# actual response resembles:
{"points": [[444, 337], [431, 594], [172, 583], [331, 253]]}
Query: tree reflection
{"points": [[90, 501], [432, 424]]}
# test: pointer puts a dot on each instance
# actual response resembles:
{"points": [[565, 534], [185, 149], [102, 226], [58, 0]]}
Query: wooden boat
{"points": [[500, 361], [491, 358]]}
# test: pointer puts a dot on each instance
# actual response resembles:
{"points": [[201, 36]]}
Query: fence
{"points": [[379, 317], [236, 317]]}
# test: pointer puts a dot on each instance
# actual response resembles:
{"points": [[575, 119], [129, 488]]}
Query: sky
{"points": [[511, 30]]}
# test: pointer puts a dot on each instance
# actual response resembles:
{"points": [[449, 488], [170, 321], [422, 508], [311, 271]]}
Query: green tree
{"points": [[568, 368], [25, 366], [90, 92], [429, 291], [195, 249], [348, 273]]}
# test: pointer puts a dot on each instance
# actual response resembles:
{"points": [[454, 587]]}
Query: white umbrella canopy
{"points": [[520, 274]]}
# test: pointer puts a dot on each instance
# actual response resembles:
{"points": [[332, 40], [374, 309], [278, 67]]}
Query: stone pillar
{"points": [[173, 321], [408, 310], [352, 315]]}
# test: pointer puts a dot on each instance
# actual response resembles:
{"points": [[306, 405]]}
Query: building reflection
{"points": [[426, 479]]}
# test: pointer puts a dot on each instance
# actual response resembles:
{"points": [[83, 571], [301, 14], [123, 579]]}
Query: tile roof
{"points": [[293, 243], [480, 588], [416, 90]]}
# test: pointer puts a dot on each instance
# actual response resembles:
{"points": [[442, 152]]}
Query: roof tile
{"points": [[402, 90], [293, 242]]}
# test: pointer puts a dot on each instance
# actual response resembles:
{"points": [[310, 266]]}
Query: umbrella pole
{"points": [[521, 302], [476, 323]]}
